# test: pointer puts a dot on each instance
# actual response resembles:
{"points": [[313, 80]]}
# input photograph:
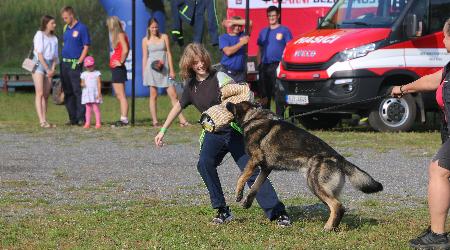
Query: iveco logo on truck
{"points": [[363, 48]]}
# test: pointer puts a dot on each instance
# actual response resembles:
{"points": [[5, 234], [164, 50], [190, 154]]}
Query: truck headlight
{"points": [[360, 51]]}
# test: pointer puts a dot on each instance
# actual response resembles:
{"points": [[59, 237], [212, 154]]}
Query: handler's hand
{"points": [[159, 139], [395, 92]]}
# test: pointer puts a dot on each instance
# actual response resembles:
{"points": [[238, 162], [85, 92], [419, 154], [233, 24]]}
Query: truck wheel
{"points": [[320, 121], [393, 114]]}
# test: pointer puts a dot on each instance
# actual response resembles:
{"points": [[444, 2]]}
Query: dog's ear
{"points": [[231, 107]]}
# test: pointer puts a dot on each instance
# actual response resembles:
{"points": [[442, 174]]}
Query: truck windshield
{"points": [[363, 14]]}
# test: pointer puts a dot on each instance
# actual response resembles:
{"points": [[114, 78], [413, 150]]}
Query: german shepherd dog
{"points": [[274, 144]]}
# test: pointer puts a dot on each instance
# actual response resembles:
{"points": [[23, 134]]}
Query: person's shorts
{"points": [[40, 68], [119, 74], [443, 155]]}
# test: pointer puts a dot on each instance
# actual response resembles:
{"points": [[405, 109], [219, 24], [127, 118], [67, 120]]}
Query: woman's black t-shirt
{"points": [[202, 94]]}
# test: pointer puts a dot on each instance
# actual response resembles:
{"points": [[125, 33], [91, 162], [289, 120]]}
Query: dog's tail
{"points": [[360, 179]]}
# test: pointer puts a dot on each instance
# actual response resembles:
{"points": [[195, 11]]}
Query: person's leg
{"points": [[119, 90], [76, 86], [177, 33], [438, 196], [199, 17], [211, 154], [213, 24], [87, 118], [38, 80], [152, 104], [270, 82], [172, 93], [262, 86], [272, 75], [266, 197], [98, 120], [438, 202], [69, 98], [46, 93]]}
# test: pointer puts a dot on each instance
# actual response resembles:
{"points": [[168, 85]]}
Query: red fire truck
{"points": [[299, 15], [359, 50]]}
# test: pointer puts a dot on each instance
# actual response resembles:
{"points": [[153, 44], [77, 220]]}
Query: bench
{"points": [[11, 81]]}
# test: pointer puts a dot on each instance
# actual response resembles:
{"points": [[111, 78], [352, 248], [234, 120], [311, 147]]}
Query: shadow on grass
{"points": [[319, 213]]}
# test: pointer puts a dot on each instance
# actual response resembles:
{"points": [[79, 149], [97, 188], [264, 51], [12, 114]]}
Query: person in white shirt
{"points": [[45, 52]]}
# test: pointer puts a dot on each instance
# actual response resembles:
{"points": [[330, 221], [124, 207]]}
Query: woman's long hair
{"points": [[115, 28], [149, 33], [193, 52], [44, 21]]}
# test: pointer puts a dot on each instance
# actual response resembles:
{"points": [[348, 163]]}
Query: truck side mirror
{"points": [[411, 25], [319, 21]]}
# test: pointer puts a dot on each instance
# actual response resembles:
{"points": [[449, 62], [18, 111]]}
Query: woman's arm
{"points": [[174, 112], [38, 43], [169, 57], [83, 53], [125, 50], [425, 83], [144, 54], [42, 61]]}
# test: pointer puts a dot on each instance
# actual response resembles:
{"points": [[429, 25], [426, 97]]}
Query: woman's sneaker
{"points": [[120, 123], [430, 240], [223, 215], [284, 221]]}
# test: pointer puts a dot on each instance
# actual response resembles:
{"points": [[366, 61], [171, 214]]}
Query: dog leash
{"points": [[337, 106]]}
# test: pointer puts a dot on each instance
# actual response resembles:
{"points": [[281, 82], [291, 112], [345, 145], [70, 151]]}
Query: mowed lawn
{"points": [[153, 223]]}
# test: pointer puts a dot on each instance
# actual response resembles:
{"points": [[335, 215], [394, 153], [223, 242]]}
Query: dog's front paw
{"points": [[239, 196], [247, 203]]}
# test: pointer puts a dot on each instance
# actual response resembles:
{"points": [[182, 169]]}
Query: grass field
{"points": [[162, 225], [21, 117], [36, 223]]}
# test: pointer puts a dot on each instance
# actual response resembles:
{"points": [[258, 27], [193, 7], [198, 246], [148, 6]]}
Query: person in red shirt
{"points": [[439, 168], [121, 46]]}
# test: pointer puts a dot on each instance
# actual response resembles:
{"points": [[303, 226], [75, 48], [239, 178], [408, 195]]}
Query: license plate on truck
{"points": [[297, 99]]}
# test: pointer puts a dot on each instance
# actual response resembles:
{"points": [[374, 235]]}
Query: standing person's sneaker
{"points": [[71, 123], [223, 215], [284, 221], [120, 123], [430, 240]]}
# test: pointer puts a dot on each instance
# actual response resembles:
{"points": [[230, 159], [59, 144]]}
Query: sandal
{"points": [[185, 124], [46, 125]]}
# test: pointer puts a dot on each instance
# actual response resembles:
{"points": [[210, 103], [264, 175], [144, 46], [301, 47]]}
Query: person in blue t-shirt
{"points": [[271, 42], [232, 46], [76, 43]]}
